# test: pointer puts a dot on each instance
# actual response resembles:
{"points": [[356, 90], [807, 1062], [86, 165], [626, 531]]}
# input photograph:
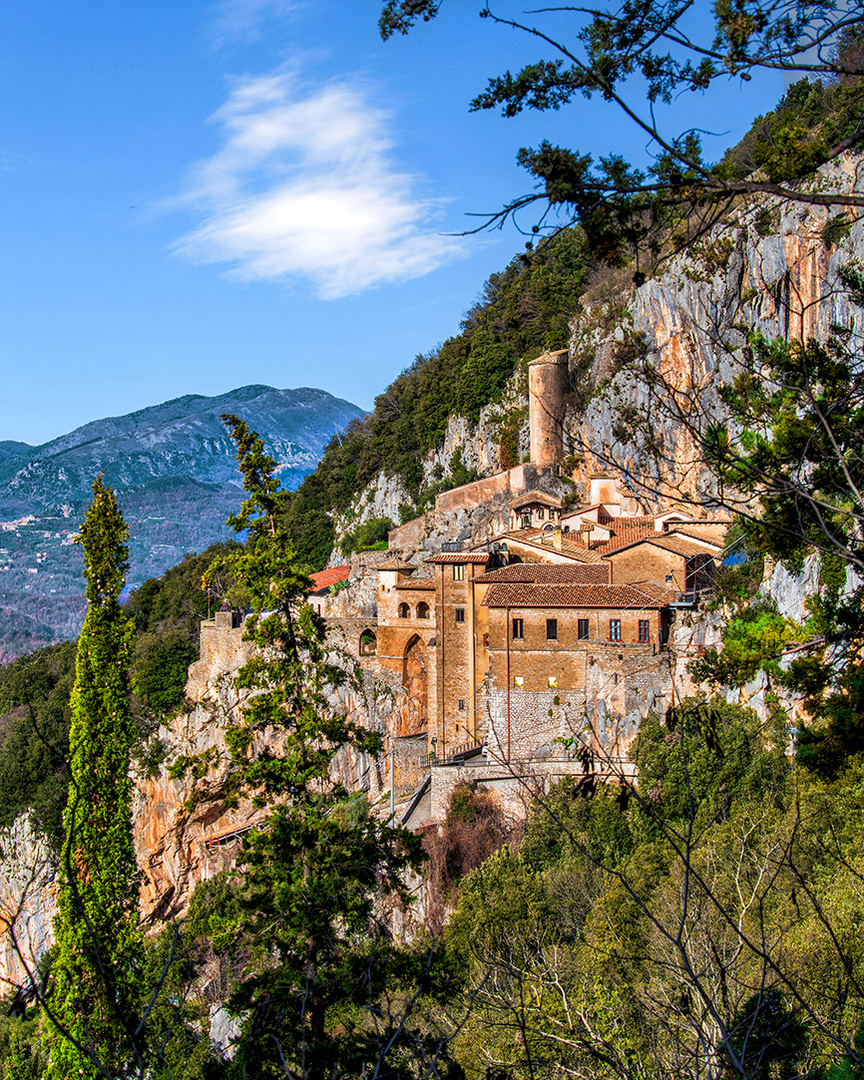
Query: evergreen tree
{"points": [[92, 1029], [309, 911]]}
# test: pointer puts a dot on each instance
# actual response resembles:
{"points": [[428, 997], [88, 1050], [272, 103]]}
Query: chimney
{"points": [[557, 538]]}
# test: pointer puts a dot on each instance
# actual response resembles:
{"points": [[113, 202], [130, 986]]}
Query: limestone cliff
{"points": [[770, 269], [28, 901], [767, 269]]}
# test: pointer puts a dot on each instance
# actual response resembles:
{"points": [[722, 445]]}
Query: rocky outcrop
{"points": [[28, 901], [768, 271]]}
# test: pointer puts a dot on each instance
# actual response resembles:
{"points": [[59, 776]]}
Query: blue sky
{"points": [[198, 196]]}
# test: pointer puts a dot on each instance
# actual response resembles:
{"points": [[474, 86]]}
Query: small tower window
{"points": [[460, 614]]}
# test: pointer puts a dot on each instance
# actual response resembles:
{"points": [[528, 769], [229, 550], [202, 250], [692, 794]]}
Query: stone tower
{"points": [[547, 383]]}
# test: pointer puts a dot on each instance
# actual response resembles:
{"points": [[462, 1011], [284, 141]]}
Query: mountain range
{"points": [[173, 468]]}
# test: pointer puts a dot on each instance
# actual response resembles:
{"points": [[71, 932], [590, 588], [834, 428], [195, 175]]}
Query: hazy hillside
{"points": [[174, 471]]}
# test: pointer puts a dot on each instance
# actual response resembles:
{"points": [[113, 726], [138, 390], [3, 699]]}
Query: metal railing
{"points": [[456, 756]]}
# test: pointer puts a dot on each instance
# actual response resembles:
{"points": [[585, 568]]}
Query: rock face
{"points": [[772, 273], [28, 901], [769, 271]]}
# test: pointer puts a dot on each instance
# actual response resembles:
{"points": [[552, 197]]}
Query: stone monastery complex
{"points": [[531, 637]]}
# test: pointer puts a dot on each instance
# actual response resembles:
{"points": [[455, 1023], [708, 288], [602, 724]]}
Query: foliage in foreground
{"points": [[705, 924], [93, 1019], [35, 690], [326, 989]]}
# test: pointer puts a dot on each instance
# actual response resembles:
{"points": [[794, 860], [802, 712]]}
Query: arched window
{"points": [[368, 643], [422, 610], [404, 611]]}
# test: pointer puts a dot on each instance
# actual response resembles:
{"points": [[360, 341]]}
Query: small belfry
{"points": [[92, 1028]]}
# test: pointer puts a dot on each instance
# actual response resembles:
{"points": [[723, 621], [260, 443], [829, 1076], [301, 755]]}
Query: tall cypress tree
{"points": [[93, 1030]]}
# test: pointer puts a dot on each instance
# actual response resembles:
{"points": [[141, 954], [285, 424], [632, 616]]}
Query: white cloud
{"points": [[304, 187], [245, 20]]}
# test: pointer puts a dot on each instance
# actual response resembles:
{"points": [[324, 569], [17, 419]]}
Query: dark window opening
{"points": [[700, 573], [583, 629], [551, 629], [460, 614], [518, 629], [644, 630]]}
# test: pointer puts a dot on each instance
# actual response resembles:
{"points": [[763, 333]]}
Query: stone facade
{"points": [[547, 384]]}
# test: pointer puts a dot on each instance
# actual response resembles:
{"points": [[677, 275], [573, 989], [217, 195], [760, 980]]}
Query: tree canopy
{"points": [[622, 207]]}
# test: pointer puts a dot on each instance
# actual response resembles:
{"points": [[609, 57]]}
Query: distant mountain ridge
{"points": [[182, 437], [174, 469]]}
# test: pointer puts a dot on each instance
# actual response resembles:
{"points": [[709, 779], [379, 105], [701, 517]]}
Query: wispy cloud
{"points": [[244, 20], [304, 186]]}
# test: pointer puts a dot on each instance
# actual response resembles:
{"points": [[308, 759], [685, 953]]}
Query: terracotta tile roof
{"points": [[325, 578], [541, 541], [679, 545], [622, 536], [715, 537], [417, 583], [641, 595], [548, 574], [535, 496], [449, 558]]}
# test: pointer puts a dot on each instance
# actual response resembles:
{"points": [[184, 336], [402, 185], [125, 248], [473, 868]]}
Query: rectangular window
{"points": [[460, 614], [518, 681], [459, 572], [551, 629], [644, 629], [614, 629], [582, 629], [485, 641], [461, 704], [518, 629]]}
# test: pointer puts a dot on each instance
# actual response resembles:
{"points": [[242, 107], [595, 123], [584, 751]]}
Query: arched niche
{"points": [[415, 682]]}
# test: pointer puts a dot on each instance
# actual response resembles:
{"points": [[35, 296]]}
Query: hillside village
{"points": [[535, 635]]}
